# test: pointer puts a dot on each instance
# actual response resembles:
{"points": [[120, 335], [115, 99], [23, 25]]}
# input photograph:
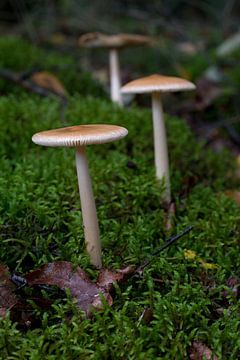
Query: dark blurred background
{"points": [[37, 19], [197, 40]]}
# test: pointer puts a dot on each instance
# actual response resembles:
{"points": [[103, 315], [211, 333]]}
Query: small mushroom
{"points": [[155, 84], [114, 43], [78, 137]]}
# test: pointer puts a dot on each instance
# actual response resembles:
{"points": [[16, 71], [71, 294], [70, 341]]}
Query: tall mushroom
{"points": [[114, 43], [155, 84], [78, 137]]}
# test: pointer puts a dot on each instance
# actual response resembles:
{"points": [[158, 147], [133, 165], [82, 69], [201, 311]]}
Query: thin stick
{"points": [[169, 242]]}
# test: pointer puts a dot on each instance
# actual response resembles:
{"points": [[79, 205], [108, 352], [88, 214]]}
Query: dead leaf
{"points": [[200, 351], [87, 293], [61, 274], [50, 82], [233, 194], [7, 297], [107, 278]]}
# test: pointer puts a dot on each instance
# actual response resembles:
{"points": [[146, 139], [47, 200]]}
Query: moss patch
{"points": [[40, 221]]}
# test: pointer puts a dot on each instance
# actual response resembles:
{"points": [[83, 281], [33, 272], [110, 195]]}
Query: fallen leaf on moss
{"points": [[61, 274], [233, 194], [200, 351], [49, 81], [88, 294], [7, 297]]}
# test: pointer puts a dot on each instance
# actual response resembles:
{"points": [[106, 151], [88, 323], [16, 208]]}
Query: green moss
{"points": [[21, 56], [40, 221]]}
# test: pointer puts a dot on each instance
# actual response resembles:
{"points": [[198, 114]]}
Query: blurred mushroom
{"points": [[155, 84], [78, 137], [114, 43]]}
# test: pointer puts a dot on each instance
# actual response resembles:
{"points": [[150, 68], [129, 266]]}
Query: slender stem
{"points": [[115, 79], [89, 213], [160, 144]]}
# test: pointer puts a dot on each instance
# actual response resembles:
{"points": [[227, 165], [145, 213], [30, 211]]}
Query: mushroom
{"points": [[78, 137], [155, 84], [114, 43]]}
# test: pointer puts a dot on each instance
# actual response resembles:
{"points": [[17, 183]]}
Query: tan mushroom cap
{"points": [[155, 83], [80, 135], [96, 39]]}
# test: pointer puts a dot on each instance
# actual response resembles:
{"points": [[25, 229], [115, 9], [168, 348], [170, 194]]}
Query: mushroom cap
{"points": [[80, 135], [99, 40], [155, 83]]}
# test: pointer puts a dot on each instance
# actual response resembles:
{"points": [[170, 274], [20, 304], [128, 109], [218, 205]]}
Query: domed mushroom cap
{"points": [[80, 135], [156, 83], [94, 40]]}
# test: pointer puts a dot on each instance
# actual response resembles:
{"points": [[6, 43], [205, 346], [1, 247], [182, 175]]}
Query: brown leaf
{"points": [[61, 274], [200, 351], [107, 278], [233, 194], [7, 297], [87, 293], [49, 81]]}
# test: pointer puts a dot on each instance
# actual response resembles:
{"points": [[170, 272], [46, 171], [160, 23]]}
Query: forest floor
{"points": [[185, 303]]}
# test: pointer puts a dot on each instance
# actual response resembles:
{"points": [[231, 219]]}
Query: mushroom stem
{"points": [[89, 213], [160, 144], [115, 80]]}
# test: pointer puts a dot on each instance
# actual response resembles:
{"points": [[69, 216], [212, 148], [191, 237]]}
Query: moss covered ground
{"points": [[40, 221]]}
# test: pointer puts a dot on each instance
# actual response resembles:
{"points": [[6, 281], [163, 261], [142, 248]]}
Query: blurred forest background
{"points": [[197, 40]]}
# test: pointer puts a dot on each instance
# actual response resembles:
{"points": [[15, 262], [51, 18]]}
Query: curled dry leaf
{"points": [[200, 351], [50, 82], [233, 194], [7, 297], [87, 293]]}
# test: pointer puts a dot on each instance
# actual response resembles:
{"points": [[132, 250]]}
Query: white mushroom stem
{"points": [[160, 144], [89, 213], [115, 79]]}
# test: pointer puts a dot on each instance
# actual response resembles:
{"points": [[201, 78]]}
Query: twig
{"points": [[169, 242]]}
